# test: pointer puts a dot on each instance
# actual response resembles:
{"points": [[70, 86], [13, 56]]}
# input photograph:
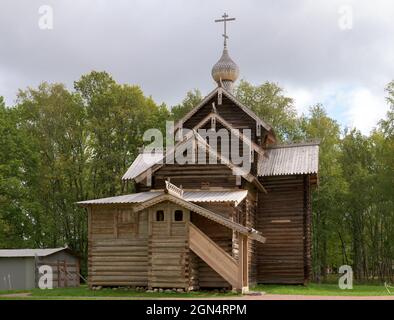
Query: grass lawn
{"points": [[83, 292], [325, 290]]}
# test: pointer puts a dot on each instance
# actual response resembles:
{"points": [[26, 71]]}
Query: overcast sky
{"points": [[338, 53]]}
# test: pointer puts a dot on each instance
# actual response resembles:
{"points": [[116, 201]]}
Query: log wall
{"points": [[195, 176], [281, 217], [168, 248], [118, 247], [307, 229]]}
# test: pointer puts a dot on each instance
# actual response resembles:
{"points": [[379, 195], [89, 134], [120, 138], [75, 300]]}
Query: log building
{"points": [[205, 224]]}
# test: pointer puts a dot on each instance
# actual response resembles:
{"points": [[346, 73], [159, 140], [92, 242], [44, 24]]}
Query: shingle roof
{"points": [[29, 252], [235, 196], [289, 159]]}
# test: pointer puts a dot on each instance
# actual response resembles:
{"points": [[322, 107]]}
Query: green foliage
{"points": [[116, 118], [59, 146], [18, 206], [53, 119], [192, 99], [271, 105]]}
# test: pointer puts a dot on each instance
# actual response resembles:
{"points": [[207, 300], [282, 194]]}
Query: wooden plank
{"points": [[213, 255]]}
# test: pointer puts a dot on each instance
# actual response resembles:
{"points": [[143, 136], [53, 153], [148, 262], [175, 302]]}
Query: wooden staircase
{"points": [[233, 271]]}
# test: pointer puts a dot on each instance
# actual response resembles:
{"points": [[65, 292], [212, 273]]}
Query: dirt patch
{"points": [[16, 295]]}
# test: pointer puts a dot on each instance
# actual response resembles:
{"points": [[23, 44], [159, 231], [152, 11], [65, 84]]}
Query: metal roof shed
{"points": [[19, 267]]}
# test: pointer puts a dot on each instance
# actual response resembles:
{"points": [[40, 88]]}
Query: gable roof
{"points": [[146, 159], [228, 126], [143, 162], [9, 253], [193, 134], [233, 196], [219, 90], [302, 158]]}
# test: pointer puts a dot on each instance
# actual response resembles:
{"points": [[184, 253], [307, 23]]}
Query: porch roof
{"points": [[233, 196], [172, 197]]}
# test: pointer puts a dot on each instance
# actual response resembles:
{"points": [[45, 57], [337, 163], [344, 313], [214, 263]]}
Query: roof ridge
{"points": [[294, 145]]}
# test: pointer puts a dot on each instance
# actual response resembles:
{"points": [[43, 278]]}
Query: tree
{"points": [[117, 116], [192, 99], [270, 104], [59, 146], [357, 163], [53, 119], [18, 163], [328, 234]]}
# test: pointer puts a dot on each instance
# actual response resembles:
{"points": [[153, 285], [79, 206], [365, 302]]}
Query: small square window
{"points": [[178, 216], [160, 215]]}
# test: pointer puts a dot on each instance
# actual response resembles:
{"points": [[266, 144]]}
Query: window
{"points": [[159, 215], [178, 216]]}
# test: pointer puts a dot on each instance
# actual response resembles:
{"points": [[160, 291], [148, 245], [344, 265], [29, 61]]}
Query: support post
{"points": [[90, 234], [243, 272]]}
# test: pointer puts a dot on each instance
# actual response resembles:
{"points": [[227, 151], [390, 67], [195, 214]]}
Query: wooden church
{"points": [[209, 224]]}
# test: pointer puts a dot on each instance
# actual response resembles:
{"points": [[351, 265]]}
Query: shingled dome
{"points": [[225, 72]]}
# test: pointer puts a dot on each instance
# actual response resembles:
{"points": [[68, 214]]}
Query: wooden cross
{"points": [[224, 20]]}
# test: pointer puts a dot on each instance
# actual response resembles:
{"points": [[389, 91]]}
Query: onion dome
{"points": [[225, 72]]}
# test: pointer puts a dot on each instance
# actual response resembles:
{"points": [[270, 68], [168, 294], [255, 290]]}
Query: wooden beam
{"points": [[259, 186], [213, 255]]}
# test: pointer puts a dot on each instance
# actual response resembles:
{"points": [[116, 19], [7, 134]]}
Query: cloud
{"points": [[303, 99], [170, 49], [353, 107], [365, 109]]}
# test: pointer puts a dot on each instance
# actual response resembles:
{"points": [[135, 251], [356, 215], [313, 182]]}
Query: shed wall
{"points": [[17, 273], [65, 268]]}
